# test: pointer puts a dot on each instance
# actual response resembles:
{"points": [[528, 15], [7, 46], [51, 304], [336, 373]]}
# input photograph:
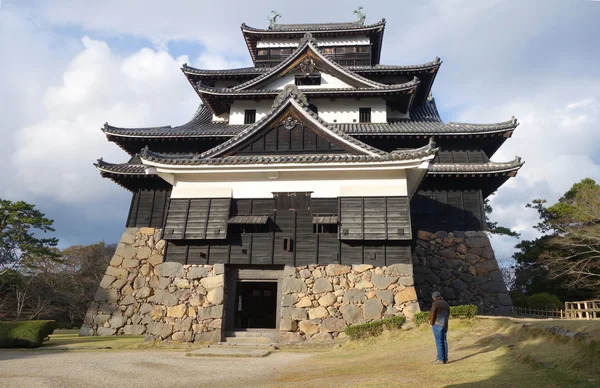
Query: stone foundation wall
{"points": [[462, 266], [319, 302], [140, 294]]}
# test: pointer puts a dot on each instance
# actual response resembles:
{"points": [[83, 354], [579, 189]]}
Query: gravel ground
{"points": [[33, 369]]}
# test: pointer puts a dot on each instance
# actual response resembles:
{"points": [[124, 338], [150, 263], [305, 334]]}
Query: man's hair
{"points": [[436, 295]]}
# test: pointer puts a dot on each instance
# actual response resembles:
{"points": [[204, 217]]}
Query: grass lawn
{"points": [[483, 353], [70, 340]]}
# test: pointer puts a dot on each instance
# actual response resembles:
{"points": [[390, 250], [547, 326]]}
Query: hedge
{"points": [[374, 328], [465, 311], [544, 301], [25, 334]]}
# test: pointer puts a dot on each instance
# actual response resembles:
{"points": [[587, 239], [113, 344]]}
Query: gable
{"points": [[291, 132], [328, 81]]}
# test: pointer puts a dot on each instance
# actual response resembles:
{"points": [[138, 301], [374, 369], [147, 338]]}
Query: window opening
{"points": [[249, 116], [364, 115]]}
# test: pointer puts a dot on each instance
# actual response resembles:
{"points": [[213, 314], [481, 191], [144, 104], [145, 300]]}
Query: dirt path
{"points": [[35, 369]]}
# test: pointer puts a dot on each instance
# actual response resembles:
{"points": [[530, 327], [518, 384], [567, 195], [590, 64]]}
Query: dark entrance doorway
{"points": [[256, 305]]}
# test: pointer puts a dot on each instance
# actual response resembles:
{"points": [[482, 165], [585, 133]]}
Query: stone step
{"points": [[248, 340], [246, 345], [232, 351], [244, 333]]}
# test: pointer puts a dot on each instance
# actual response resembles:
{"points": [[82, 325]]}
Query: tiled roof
{"points": [[315, 27], [476, 168], [425, 120], [120, 168]]}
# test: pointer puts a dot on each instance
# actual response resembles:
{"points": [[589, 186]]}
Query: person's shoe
{"points": [[438, 362]]}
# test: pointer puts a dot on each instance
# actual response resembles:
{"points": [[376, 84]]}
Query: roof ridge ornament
{"points": [[307, 38], [293, 92], [361, 16], [273, 19]]}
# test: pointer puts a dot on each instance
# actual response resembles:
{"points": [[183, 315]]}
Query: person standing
{"points": [[438, 319]]}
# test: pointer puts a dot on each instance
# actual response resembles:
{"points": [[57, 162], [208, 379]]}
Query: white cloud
{"points": [[53, 156]]}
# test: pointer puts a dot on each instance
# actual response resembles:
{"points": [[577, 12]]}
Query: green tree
{"points": [[19, 245], [493, 227], [565, 261]]}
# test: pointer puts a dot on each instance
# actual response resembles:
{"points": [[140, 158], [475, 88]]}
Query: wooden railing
{"points": [[587, 309], [539, 312]]}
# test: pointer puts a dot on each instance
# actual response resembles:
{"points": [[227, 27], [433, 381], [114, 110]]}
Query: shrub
{"points": [[422, 317], [467, 311], [25, 334], [518, 298], [374, 328], [544, 301]]}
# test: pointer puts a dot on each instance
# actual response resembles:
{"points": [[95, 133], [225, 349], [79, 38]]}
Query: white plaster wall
{"points": [[222, 118], [345, 110], [236, 114], [341, 41], [323, 184], [328, 81], [396, 114]]}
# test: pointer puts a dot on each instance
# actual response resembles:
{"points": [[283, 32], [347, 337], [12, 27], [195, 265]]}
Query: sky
{"points": [[68, 67]]}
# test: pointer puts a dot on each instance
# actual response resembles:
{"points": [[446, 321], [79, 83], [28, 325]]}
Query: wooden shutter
{"points": [[374, 218], [351, 218], [197, 219], [398, 218], [455, 206]]}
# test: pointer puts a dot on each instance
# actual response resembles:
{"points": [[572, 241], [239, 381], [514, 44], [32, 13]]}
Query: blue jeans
{"points": [[439, 333]]}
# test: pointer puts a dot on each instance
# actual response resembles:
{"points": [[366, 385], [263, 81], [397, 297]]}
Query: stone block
{"points": [[308, 327], [354, 296], [143, 293], [478, 242], [471, 258], [155, 260], [144, 253], [485, 267], [386, 296], [128, 300], [400, 270], [448, 253], [304, 302], [118, 273], [479, 280], [182, 283], [318, 313], [351, 313], [106, 331], [406, 295], [130, 263], [197, 273], [125, 251], [297, 314], [337, 269], [289, 271], [106, 281], [86, 331], [360, 268], [183, 324], [293, 286], [383, 282], [493, 287], [406, 281], [164, 298], [160, 329], [447, 293], [433, 279], [461, 248], [210, 336], [503, 310], [488, 253], [453, 263], [213, 282], [118, 284], [363, 285], [322, 285], [288, 325], [288, 300], [327, 300], [459, 285], [219, 269], [196, 300], [496, 276], [332, 325], [321, 338], [290, 338], [505, 299], [426, 236], [134, 329], [177, 311], [411, 309], [210, 312], [101, 295], [169, 269], [215, 296], [373, 308]]}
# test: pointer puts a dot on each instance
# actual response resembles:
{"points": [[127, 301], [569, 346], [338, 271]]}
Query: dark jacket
{"points": [[440, 312]]}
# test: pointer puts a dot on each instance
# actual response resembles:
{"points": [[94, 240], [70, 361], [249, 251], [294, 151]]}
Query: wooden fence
{"points": [[588, 309], [539, 312]]}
